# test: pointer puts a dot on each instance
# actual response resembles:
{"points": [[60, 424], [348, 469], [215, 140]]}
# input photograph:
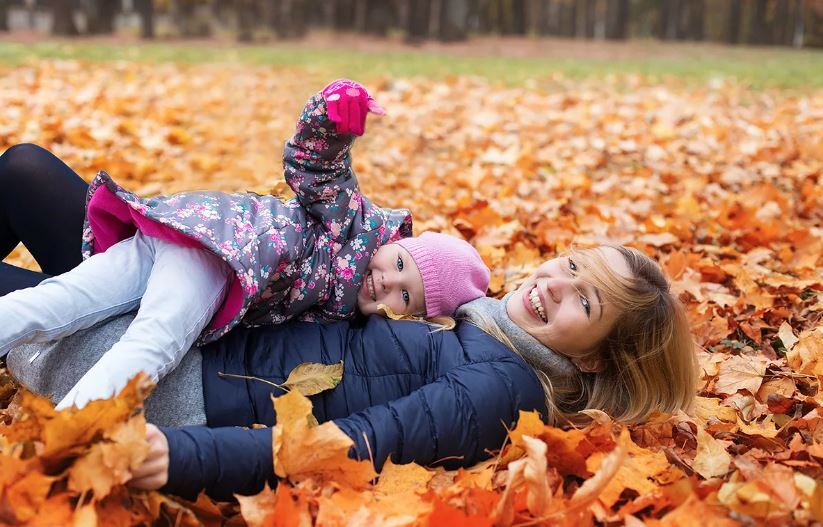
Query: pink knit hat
{"points": [[452, 271]]}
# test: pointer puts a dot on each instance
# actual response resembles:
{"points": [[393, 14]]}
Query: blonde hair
{"points": [[648, 357]]}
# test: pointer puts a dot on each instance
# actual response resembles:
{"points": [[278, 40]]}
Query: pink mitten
{"points": [[347, 103]]}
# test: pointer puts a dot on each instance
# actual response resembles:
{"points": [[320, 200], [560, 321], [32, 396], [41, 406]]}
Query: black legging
{"points": [[42, 203]]}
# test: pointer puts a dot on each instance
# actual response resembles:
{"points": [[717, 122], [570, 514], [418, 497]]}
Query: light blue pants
{"points": [[177, 290]]}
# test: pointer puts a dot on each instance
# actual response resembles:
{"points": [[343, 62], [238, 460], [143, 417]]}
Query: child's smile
{"points": [[392, 278]]}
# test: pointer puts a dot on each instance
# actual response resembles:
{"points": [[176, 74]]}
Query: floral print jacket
{"points": [[304, 256]]}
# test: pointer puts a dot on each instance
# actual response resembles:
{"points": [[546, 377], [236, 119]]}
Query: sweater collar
{"points": [[536, 354]]}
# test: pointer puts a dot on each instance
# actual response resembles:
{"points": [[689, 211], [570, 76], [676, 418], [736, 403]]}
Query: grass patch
{"points": [[757, 67]]}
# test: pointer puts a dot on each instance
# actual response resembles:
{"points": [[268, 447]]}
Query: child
{"points": [[198, 263]]}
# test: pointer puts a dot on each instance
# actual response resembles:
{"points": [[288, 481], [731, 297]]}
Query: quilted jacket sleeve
{"points": [[221, 461], [317, 164], [455, 421]]}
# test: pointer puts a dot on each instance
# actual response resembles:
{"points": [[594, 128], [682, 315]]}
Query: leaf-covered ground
{"points": [[721, 184]]}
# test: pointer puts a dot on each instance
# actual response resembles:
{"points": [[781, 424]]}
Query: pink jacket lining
{"points": [[112, 220]]}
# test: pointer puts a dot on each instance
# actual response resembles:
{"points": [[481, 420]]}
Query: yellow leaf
{"points": [[85, 516], [310, 378], [397, 479], [712, 459], [637, 471], [765, 428], [26, 495], [255, 509], [740, 373], [71, 427], [708, 407], [608, 469], [301, 450], [111, 461], [786, 336], [528, 424]]}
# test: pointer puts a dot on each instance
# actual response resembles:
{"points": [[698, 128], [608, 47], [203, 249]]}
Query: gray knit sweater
{"points": [[559, 369]]}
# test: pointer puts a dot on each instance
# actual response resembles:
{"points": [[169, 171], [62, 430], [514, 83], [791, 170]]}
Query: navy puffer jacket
{"points": [[433, 397]]}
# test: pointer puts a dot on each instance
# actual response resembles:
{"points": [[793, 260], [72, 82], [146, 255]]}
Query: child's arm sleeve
{"points": [[317, 165]]}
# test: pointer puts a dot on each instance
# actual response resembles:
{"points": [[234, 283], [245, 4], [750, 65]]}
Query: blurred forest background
{"points": [[795, 23]]}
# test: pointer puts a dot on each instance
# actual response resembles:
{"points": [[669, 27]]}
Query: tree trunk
{"points": [[679, 19], [798, 28], [4, 15], [812, 24], [418, 21], [543, 17], [145, 8], [290, 18], [757, 23], [100, 15], [246, 17], [617, 19], [733, 29], [380, 17], [454, 16], [589, 17], [518, 16], [667, 21], [568, 17], [697, 15], [343, 15], [184, 17], [779, 30], [62, 20]]}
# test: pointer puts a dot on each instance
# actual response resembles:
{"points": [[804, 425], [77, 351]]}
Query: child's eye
{"points": [[399, 263], [586, 306], [406, 297]]}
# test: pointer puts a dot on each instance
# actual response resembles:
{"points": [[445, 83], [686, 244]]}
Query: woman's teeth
{"points": [[535, 300]]}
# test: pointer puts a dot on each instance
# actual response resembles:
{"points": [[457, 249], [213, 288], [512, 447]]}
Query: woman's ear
{"points": [[590, 364]]}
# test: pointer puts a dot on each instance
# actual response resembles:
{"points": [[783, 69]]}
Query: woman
{"points": [[596, 329]]}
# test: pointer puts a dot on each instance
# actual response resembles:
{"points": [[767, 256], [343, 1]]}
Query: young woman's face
{"points": [[392, 278], [563, 312]]}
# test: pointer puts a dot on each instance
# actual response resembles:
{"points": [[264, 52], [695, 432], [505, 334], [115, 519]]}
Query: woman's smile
{"points": [[535, 304]]}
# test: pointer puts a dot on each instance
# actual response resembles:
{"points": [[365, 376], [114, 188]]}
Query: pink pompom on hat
{"points": [[452, 271]]}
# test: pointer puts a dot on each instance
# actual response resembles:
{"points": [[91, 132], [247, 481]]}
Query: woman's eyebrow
{"points": [[599, 301]]}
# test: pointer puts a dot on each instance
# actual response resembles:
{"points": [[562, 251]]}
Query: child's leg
{"points": [[106, 284], [185, 289]]}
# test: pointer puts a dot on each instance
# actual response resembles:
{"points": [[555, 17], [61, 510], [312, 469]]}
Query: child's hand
{"points": [[348, 103], [154, 472]]}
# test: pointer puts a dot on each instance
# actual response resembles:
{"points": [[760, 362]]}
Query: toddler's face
{"points": [[392, 278]]}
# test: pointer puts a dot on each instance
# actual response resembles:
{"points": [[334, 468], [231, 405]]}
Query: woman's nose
{"points": [[558, 287]]}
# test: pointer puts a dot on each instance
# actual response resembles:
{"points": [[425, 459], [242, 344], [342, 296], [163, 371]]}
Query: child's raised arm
{"points": [[317, 158]]}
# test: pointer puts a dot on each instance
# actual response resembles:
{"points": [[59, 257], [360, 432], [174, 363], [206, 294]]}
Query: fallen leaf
{"points": [[310, 378]]}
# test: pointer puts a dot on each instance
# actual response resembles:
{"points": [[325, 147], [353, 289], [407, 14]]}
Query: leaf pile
{"points": [[59, 468], [721, 184]]}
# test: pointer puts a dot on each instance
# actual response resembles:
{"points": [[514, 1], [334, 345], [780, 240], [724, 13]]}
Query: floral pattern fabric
{"points": [[300, 257]]}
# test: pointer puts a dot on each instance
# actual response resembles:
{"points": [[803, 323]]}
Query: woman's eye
{"points": [[586, 306], [572, 265], [406, 297], [399, 263]]}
